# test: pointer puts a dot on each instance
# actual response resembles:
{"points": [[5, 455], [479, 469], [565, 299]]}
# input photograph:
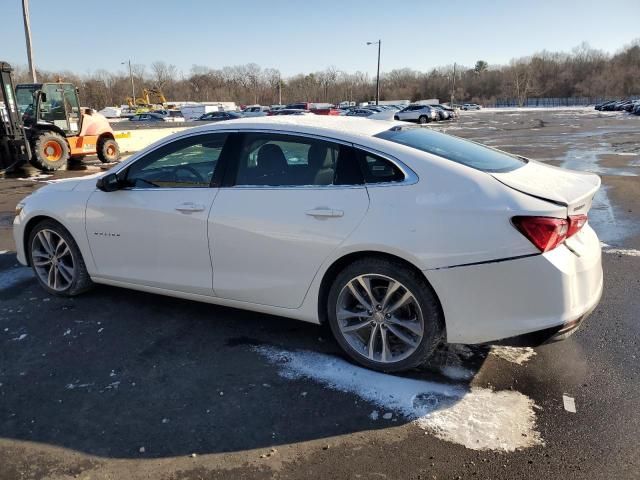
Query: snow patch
{"points": [[478, 418], [630, 252], [515, 355], [14, 276]]}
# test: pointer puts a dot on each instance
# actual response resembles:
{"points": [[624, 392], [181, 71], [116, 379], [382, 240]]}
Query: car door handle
{"points": [[190, 207], [324, 212]]}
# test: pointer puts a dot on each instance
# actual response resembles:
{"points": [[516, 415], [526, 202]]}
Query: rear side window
{"points": [[379, 170], [280, 160], [453, 148]]}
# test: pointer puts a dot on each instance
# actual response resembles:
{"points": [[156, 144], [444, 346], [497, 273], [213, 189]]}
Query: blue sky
{"points": [[307, 35]]}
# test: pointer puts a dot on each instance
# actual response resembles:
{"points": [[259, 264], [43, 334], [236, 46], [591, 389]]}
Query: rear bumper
{"points": [[523, 301], [547, 335]]}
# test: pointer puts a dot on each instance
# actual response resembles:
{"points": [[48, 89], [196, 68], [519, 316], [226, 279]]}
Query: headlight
{"points": [[19, 208]]}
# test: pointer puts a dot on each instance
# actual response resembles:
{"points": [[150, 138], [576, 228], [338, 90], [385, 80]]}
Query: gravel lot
{"points": [[121, 384]]}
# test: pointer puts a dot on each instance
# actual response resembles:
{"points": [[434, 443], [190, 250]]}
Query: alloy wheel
{"points": [[52, 260], [379, 318]]}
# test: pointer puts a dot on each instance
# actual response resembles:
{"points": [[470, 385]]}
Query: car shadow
{"points": [[124, 374]]}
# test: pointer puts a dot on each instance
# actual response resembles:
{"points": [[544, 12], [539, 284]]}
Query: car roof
{"points": [[330, 125]]}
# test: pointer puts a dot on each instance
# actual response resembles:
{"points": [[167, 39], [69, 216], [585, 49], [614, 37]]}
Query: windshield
{"points": [[453, 148], [24, 97]]}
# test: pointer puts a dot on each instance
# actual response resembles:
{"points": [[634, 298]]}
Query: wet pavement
{"points": [[122, 384]]}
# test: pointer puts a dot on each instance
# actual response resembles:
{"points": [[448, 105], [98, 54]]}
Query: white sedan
{"points": [[398, 236]]}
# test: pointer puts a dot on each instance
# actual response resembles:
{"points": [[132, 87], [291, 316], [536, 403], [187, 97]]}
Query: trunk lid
{"points": [[570, 188]]}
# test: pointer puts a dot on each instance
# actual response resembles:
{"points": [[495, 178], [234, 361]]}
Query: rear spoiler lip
{"points": [[563, 203]]}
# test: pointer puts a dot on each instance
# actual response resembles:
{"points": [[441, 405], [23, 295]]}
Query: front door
{"points": [[290, 201], [154, 231]]}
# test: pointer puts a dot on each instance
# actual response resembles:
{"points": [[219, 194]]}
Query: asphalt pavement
{"points": [[122, 384]]}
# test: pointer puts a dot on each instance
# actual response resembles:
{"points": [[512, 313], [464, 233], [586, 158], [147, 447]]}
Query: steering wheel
{"points": [[192, 171]]}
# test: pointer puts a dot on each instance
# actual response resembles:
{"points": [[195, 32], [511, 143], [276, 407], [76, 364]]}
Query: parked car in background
{"points": [[600, 106], [416, 113], [470, 106], [360, 112], [148, 117], [399, 238], [219, 116], [255, 111], [317, 108], [441, 112], [291, 111], [170, 115]]}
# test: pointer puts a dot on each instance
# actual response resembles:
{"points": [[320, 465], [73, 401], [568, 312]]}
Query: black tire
{"points": [[433, 319], [423, 119], [395, 117], [50, 151], [81, 281], [108, 150]]}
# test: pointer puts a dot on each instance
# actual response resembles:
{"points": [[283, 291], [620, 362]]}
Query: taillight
{"points": [[576, 222], [546, 233]]}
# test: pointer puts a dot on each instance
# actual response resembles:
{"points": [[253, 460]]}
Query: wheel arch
{"points": [[342, 262]]}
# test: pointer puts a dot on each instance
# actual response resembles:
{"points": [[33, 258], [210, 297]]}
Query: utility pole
{"points": [[453, 85], [133, 87], [279, 91], [379, 43], [27, 34]]}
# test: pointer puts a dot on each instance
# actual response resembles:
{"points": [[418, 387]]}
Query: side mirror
{"points": [[40, 95], [109, 183]]}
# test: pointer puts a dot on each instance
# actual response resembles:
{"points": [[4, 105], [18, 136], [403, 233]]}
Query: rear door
{"points": [[289, 201]]}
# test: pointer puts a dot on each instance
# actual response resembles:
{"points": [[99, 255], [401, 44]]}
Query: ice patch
{"points": [[14, 276], [456, 372], [20, 338], [478, 418], [630, 252], [2, 252], [515, 355]]}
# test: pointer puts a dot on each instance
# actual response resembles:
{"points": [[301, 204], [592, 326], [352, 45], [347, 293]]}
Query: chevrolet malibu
{"points": [[397, 236]]}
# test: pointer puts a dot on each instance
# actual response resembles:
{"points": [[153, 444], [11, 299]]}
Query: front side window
{"points": [[287, 160], [184, 163]]}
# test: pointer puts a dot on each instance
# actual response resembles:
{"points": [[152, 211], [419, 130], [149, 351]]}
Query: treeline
{"points": [[583, 72]]}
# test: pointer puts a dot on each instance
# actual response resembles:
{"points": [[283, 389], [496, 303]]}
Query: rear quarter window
{"points": [[455, 149]]}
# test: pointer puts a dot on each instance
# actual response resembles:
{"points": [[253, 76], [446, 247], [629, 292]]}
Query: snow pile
{"points": [[515, 355], [478, 418]]}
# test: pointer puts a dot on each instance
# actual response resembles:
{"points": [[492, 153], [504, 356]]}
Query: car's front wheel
{"points": [[384, 315], [56, 260]]}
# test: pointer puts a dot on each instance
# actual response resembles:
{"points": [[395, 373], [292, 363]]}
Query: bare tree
{"points": [[163, 74]]}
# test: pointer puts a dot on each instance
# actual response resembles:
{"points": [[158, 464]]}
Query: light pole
{"points": [[379, 43], [27, 34], [133, 87]]}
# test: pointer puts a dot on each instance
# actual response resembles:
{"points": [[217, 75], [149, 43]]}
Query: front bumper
{"points": [[529, 300]]}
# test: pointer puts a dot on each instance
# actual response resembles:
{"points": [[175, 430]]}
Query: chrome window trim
{"points": [[410, 176], [141, 154]]}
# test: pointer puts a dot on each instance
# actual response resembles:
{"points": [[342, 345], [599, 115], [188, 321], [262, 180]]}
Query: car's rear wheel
{"points": [[384, 315], [422, 120], [56, 260]]}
